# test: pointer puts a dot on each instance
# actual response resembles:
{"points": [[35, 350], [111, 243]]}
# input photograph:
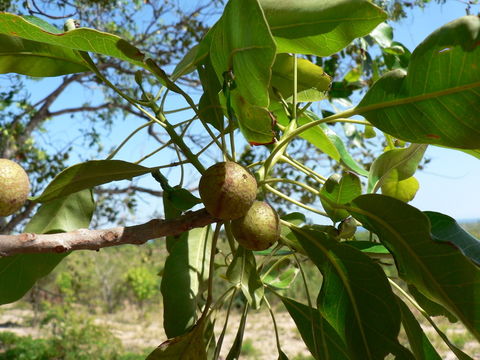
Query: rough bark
{"points": [[85, 239]]}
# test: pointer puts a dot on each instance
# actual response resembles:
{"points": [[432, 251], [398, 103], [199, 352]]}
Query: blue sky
{"points": [[448, 185]]}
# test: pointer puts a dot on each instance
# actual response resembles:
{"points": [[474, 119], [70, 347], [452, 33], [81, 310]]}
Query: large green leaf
{"points": [[355, 298], [89, 174], [445, 228], [320, 27], [402, 162], [33, 58], [419, 343], [319, 336], [84, 39], [242, 43], [243, 271], [19, 273], [312, 81], [249, 55], [184, 279], [190, 346], [437, 269], [339, 190], [438, 100]]}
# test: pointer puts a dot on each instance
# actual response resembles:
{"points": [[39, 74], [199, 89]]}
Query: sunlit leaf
{"points": [[321, 27], [402, 162], [312, 81], [339, 190], [89, 174], [243, 271], [404, 190], [84, 39], [184, 279], [437, 101], [33, 58]]}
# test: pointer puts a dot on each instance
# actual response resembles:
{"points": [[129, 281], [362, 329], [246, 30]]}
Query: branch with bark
{"points": [[85, 239]]}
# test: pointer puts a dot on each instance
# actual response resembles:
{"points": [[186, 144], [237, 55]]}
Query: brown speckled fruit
{"points": [[259, 228], [14, 187], [227, 190]]}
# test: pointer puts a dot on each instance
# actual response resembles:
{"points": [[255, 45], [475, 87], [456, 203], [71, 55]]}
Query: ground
{"points": [[139, 331]]}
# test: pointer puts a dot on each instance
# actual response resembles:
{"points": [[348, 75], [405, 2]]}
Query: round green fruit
{"points": [[14, 187], [227, 190], [259, 228]]}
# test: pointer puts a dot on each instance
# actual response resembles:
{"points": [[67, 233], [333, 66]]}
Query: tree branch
{"points": [[80, 109], [85, 239]]}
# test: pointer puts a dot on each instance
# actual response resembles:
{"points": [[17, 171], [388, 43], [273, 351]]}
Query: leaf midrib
{"points": [[416, 98], [414, 255]]}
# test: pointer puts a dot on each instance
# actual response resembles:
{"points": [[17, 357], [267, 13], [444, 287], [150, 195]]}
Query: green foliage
{"points": [[260, 66], [441, 75], [143, 282]]}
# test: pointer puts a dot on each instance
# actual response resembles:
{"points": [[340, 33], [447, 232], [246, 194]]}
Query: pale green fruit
{"points": [[259, 228], [227, 190], [14, 187]]}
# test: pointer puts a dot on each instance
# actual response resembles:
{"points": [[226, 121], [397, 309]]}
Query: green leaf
{"points": [[437, 269], [186, 65], [33, 58], [182, 199], [419, 343], [84, 39], [312, 81], [373, 249], [431, 307], [383, 35], [243, 271], [19, 273], [87, 175], [401, 162], [404, 190], [280, 275], [236, 348], [184, 280], [249, 54], [315, 330], [321, 27], [190, 346], [255, 122], [339, 190], [355, 298], [445, 228], [171, 212], [438, 100]]}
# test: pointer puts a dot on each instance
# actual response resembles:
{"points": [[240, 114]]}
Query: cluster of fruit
{"points": [[14, 187], [228, 191]]}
